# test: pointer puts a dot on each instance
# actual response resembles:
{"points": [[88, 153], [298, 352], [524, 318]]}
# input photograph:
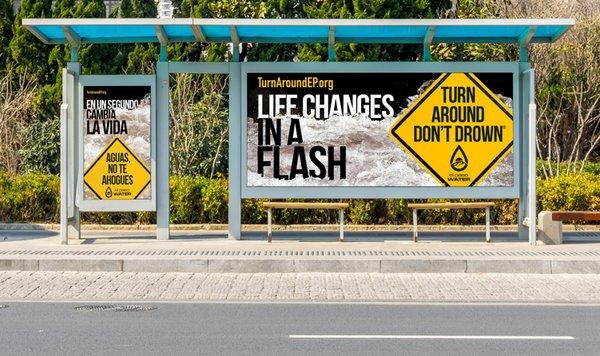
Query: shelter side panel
{"points": [[379, 130]]}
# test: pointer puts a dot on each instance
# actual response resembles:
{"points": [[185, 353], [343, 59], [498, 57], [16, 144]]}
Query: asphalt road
{"points": [[358, 329]]}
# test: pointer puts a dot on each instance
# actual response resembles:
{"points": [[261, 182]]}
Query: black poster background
{"points": [[114, 93], [401, 85]]}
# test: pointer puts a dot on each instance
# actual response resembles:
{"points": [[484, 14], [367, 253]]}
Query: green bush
{"points": [[33, 197], [569, 192], [29, 197]]}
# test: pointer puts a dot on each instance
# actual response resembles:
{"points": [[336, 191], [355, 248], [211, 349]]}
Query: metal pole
{"points": [[64, 172], [73, 142], [415, 235], [531, 184], [487, 225], [162, 147], [341, 225], [269, 229], [523, 100], [234, 215]]}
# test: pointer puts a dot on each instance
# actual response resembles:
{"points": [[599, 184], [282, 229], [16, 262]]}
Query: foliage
{"points": [[17, 95], [569, 192], [27, 52], [6, 23], [29, 197], [199, 129], [41, 144], [34, 197], [474, 9], [364, 9], [567, 85], [568, 82]]}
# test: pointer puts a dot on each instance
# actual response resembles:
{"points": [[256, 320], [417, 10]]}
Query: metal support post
{"points": [[236, 121], [524, 40], [427, 43], [162, 148], [519, 106], [64, 171], [487, 225], [73, 137], [331, 45], [162, 57], [341, 225], [269, 228], [415, 234], [531, 183]]}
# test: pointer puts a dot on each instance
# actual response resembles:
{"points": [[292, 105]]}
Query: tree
{"points": [[6, 23], [475, 9], [364, 9], [28, 53], [140, 58], [567, 85]]}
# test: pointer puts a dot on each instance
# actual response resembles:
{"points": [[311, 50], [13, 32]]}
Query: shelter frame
{"points": [[425, 32]]}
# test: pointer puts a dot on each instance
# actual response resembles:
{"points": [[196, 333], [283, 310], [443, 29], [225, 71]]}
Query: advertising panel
{"points": [[377, 129], [117, 143]]}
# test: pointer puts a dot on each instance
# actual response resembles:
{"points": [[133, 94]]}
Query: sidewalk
{"points": [[313, 287], [211, 252]]}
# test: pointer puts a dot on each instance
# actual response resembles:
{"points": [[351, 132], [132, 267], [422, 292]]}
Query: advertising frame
{"points": [[378, 192], [117, 205]]}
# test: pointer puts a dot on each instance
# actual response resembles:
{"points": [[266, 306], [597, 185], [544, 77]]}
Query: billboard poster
{"points": [[116, 142], [379, 129]]}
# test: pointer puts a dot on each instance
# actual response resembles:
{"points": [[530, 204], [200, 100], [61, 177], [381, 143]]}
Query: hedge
{"points": [[33, 197]]}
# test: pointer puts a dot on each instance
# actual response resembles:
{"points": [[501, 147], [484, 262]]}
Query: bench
{"points": [[550, 223], [475, 205], [270, 205]]}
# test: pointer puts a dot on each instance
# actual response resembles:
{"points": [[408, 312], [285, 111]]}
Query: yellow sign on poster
{"points": [[117, 173], [458, 130]]}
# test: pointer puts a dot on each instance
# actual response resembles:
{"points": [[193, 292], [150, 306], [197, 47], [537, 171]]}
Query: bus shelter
{"points": [[414, 130]]}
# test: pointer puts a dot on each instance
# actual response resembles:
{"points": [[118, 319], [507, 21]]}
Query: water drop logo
{"points": [[108, 192], [459, 161]]}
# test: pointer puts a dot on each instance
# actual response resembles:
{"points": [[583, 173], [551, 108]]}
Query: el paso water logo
{"points": [[458, 130]]}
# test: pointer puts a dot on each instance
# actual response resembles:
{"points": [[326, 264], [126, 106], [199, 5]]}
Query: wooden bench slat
{"points": [[304, 205], [576, 215], [473, 205]]}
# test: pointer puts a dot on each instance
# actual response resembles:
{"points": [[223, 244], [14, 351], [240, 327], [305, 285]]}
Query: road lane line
{"points": [[443, 337]]}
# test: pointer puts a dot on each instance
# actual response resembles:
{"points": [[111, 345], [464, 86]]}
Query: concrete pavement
{"points": [[295, 252]]}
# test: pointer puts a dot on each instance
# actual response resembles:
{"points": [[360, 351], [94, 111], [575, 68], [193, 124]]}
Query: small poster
{"points": [[116, 142]]}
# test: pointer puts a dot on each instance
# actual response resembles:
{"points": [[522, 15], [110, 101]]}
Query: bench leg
{"points": [[488, 237], [341, 225], [415, 234], [269, 231]]}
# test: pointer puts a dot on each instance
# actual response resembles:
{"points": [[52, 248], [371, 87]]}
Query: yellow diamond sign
{"points": [[458, 130], [117, 173]]}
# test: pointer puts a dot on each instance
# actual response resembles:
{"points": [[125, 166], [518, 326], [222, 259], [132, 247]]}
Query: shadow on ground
{"points": [[308, 236]]}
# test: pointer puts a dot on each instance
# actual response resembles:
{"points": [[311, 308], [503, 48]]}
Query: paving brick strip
{"points": [[419, 287]]}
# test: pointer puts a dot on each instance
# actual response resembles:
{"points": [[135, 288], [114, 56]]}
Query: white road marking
{"points": [[443, 337]]}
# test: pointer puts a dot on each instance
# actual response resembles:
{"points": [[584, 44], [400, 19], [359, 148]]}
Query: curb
{"points": [[224, 265]]}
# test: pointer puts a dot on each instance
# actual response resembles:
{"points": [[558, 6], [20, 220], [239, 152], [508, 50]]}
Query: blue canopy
{"points": [[79, 31]]}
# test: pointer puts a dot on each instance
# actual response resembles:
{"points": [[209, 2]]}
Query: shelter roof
{"points": [[417, 31]]}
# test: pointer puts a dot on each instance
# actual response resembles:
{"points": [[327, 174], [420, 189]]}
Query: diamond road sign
{"points": [[117, 173], [458, 130]]}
